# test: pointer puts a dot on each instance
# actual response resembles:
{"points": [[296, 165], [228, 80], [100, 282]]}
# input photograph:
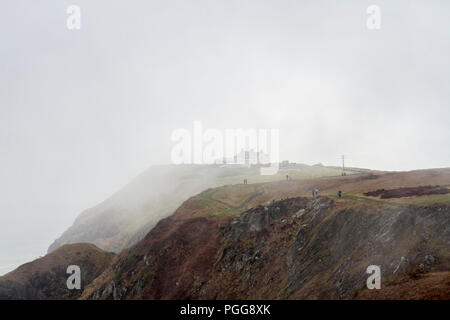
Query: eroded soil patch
{"points": [[407, 192]]}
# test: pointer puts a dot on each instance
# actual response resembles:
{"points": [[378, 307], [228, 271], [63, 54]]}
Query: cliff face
{"points": [[240, 242], [45, 278], [297, 248], [127, 216]]}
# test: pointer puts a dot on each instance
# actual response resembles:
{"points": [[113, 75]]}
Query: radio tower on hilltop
{"points": [[343, 166]]}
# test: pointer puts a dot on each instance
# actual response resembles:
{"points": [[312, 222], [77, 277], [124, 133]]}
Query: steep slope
{"points": [[296, 248], [128, 215], [415, 285], [45, 278]]}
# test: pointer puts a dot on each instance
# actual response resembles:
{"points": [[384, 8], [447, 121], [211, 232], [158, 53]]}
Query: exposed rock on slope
{"points": [[296, 248], [45, 278], [127, 216]]}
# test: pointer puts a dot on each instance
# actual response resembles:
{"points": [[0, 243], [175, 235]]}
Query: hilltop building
{"points": [[245, 158]]}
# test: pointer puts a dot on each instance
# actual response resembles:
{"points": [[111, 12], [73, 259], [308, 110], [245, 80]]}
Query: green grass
{"points": [[417, 200], [215, 208], [424, 200]]}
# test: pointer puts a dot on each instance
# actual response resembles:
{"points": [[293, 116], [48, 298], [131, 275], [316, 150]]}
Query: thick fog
{"points": [[84, 111]]}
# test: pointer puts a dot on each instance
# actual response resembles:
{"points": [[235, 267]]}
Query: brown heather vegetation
{"points": [[285, 245], [273, 241]]}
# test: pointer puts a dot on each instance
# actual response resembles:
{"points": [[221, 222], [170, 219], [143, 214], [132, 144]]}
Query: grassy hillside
{"points": [[234, 199], [128, 215], [273, 241]]}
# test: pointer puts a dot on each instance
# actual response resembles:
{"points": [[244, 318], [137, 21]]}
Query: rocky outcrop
{"points": [[127, 216], [297, 248]]}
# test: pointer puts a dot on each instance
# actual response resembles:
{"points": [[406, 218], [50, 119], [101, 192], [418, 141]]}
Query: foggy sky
{"points": [[82, 112]]}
